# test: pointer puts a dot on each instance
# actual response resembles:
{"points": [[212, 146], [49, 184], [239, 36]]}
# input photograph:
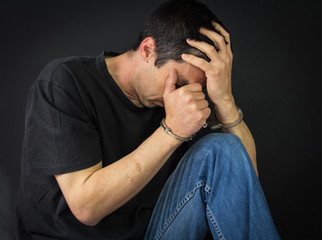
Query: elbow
{"points": [[86, 217], [88, 222], [88, 212]]}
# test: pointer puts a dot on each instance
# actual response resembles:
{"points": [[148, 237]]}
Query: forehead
{"points": [[188, 73]]}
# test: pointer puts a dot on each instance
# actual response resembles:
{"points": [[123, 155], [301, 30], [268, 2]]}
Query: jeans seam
{"points": [[177, 209], [207, 189], [214, 222]]}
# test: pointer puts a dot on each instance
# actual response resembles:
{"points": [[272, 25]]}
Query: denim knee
{"points": [[227, 138], [221, 140], [226, 148]]}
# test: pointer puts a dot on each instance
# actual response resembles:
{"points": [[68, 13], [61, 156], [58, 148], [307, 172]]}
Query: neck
{"points": [[123, 71]]}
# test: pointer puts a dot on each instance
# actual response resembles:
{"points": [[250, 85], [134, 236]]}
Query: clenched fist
{"points": [[186, 107]]}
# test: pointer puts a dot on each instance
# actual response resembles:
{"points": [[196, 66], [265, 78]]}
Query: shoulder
{"points": [[64, 71]]}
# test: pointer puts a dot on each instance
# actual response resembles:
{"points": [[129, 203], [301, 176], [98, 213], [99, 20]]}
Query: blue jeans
{"points": [[214, 187]]}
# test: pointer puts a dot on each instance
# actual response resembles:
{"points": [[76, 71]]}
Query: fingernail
{"points": [[186, 56]]}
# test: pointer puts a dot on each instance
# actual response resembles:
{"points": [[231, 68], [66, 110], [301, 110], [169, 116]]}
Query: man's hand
{"points": [[186, 107], [218, 71]]}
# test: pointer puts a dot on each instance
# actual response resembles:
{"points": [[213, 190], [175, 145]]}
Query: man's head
{"points": [[174, 22], [144, 70]]}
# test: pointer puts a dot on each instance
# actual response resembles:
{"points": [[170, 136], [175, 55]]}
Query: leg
{"points": [[213, 187]]}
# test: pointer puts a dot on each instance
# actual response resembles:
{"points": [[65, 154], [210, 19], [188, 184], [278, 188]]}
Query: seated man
{"points": [[107, 150]]}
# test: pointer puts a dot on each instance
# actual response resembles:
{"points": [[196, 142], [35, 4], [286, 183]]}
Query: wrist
{"points": [[216, 124], [226, 111], [169, 131], [171, 141]]}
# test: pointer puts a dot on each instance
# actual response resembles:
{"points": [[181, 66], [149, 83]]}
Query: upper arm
{"points": [[60, 135]]}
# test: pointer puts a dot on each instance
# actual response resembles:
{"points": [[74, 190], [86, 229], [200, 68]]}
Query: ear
{"points": [[147, 48]]}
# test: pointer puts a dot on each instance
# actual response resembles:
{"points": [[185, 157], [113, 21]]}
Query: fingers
{"points": [[202, 104], [206, 113], [223, 55], [192, 87], [196, 61], [199, 96], [222, 31], [196, 100], [192, 95], [204, 47], [171, 81], [217, 39], [186, 109], [226, 36]]}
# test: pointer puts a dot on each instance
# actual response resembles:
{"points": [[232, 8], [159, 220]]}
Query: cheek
{"points": [[162, 87], [152, 89], [159, 85]]}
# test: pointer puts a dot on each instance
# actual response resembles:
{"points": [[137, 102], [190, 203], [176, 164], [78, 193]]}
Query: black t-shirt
{"points": [[77, 116]]}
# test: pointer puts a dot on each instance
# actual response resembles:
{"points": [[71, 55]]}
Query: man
{"points": [[97, 162]]}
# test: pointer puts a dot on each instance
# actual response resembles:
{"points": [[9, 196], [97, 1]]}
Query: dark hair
{"points": [[171, 24]]}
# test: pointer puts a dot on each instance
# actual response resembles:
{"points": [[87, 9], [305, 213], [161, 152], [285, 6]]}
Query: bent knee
{"points": [[223, 139], [217, 142], [226, 144], [223, 150]]}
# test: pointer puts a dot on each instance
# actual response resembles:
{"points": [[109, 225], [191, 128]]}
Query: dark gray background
{"points": [[276, 81]]}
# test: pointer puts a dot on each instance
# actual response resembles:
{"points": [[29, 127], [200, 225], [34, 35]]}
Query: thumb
{"points": [[170, 84]]}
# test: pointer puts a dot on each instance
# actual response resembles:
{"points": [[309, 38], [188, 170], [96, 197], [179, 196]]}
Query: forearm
{"points": [[228, 113], [108, 188], [244, 134]]}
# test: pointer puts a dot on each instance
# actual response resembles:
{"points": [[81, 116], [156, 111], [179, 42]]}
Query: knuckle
{"points": [[210, 48], [200, 62], [213, 51], [194, 107], [198, 87], [208, 112], [221, 39], [188, 98], [199, 117], [181, 91]]}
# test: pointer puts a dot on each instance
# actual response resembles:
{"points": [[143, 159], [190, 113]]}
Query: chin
{"points": [[159, 103], [153, 103], [150, 104]]}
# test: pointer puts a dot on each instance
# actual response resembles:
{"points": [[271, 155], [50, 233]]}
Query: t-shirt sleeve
{"points": [[60, 136]]}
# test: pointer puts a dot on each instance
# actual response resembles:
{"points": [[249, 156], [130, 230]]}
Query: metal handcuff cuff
{"points": [[214, 127]]}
